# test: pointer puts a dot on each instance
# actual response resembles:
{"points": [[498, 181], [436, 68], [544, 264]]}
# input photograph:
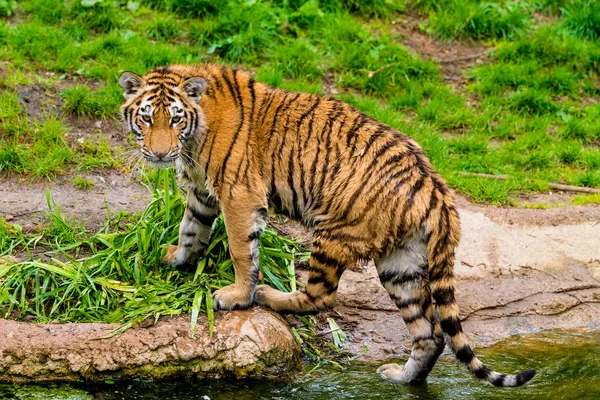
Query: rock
{"points": [[249, 343]]}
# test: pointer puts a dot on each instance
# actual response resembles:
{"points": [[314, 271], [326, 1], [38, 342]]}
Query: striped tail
{"points": [[444, 237]]}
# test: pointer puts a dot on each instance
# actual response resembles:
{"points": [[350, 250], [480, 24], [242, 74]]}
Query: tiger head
{"points": [[163, 112]]}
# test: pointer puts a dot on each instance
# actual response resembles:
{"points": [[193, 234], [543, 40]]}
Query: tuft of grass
{"points": [[582, 18], [164, 27], [7, 8], [588, 179], [82, 183], [530, 101], [481, 20], [80, 100], [583, 199]]}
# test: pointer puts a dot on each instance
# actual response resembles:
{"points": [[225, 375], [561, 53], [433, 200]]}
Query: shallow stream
{"points": [[568, 365]]}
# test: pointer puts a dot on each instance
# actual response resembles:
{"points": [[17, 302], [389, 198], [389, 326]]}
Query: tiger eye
{"points": [[146, 119], [175, 120]]}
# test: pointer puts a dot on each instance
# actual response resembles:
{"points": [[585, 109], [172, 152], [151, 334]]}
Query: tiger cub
{"points": [[366, 190]]}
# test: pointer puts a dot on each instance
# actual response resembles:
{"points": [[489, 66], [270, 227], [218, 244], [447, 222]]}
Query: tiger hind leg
{"points": [[403, 273], [325, 270]]}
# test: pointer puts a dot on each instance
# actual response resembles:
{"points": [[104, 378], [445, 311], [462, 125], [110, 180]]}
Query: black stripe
{"points": [[421, 338], [204, 219], [483, 372], [400, 278], [525, 376], [451, 326], [499, 380], [263, 212], [411, 196], [443, 296], [358, 123], [246, 154], [283, 106], [321, 279], [413, 318], [204, 198], [221, 175], [465, 354], [404, 303], [300, 149], [255, 235], [325, 162], [325, 259], [264, 107]]}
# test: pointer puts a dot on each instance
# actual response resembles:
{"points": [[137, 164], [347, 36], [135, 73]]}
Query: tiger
{"points": [[367, 192]]}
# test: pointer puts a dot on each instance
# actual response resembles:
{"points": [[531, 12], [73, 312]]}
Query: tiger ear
{"points": [[194, 87], [130, 83]]}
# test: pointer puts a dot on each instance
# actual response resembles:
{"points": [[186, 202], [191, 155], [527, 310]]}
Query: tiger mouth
{"points": [[162, 163]]}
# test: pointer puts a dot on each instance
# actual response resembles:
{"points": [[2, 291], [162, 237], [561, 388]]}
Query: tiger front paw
{"points": [[178, 259], [232, 297], [171, 254]]}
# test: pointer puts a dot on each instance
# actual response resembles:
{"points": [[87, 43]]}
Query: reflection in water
{"points": [[568, 365]]}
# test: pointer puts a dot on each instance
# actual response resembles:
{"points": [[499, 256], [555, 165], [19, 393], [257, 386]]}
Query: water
{"points": [[568, 365]]}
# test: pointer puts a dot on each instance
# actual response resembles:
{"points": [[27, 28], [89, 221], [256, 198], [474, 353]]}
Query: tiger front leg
{"points": [[327, 264], [245, 222], [194, 232]]}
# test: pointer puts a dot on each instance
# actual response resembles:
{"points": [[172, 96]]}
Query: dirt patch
{"points": [[24, 202], [453, 57], [41, 101], [555, 216]]}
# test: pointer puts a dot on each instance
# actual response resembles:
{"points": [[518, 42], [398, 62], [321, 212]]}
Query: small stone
{"points": [[9, 218]]}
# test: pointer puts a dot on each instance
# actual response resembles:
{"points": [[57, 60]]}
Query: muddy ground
{"points": [[518, 270]]}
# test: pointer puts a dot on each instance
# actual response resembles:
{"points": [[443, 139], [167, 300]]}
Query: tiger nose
{"points": [[160, 154]]}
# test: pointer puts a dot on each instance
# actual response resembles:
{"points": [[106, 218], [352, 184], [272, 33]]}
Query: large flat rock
{"points": [[249, 343]]}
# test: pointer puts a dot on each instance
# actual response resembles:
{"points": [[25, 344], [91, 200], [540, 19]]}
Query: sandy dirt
{"points": [[24, 202]]}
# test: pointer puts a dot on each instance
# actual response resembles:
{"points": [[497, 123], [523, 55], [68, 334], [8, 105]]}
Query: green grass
{"points": [[82, 183], [528, 111], [121, 277], [583, 199], [507, 19]]}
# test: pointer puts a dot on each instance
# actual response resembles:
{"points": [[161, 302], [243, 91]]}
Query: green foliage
{"points": [[80, 100], [122, 278], [7, 7], [480, 20], [82, 183], [582, 18]]}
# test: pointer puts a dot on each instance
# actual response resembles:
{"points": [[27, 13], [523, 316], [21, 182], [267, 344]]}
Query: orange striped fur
{"points": [[367, 190]]}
